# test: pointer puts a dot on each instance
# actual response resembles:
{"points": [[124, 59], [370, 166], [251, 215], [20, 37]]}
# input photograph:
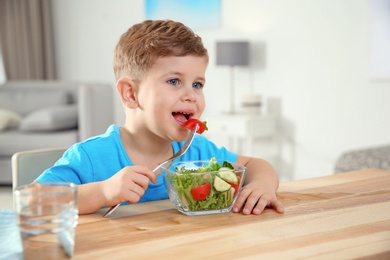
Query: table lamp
{"points": [[232, 54]]}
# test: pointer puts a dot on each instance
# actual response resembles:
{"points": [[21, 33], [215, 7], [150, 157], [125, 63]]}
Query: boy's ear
{"points": [[127, 92]]}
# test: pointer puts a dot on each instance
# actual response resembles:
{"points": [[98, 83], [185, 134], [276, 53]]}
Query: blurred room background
{"points": [[310, 62]]}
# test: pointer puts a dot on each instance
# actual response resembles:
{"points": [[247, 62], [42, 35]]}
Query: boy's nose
{"points": [[189, 95]]}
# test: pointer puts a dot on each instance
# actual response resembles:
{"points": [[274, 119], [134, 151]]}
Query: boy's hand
{"points": [[255, 197], [129, 184]]}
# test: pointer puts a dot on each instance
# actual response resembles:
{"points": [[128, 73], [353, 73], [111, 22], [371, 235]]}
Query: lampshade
{"points": [[233, 53]]}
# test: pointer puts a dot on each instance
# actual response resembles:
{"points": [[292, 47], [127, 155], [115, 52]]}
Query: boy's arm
{"points": [[259, 190], [90, 197]]}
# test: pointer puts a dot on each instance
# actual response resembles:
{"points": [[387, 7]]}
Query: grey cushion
{"points": [[25, 101], [9, 119], [51, 119]]}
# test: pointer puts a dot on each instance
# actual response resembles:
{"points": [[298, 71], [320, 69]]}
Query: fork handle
{"points": [[113, 208], [108, 213]]}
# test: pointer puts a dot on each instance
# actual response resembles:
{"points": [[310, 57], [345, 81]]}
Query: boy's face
{"points": [[171, 93]]}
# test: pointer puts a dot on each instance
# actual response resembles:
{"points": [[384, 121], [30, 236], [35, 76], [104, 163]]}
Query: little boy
{"points": [[160, 71]]}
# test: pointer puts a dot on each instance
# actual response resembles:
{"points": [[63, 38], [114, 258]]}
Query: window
{"points": [[2, 71]]}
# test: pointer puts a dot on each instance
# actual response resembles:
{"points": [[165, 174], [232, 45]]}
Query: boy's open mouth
{"points": [[181, 117]]}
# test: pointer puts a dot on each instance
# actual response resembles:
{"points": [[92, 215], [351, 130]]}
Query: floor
{"points": [[6, 199]]}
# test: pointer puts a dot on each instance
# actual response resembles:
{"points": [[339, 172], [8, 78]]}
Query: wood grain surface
{"points": [[342, 216]]}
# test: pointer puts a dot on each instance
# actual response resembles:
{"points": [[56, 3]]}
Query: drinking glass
{"points": [[47, 217], [10, 248]]}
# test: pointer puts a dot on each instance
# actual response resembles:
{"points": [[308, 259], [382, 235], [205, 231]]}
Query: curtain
{"points": [[26, 39]]}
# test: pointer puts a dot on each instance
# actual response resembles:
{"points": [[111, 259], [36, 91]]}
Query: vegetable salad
{"points": [[209, 187]]}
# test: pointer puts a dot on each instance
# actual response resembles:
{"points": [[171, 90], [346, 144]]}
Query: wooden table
{"points": [[339, 216]]}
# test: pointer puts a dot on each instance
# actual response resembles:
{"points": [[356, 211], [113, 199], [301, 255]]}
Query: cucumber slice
{"points": [[228, 175], [220, 185]]}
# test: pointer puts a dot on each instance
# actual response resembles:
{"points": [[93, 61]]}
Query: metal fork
{"points": [[182, 150]]}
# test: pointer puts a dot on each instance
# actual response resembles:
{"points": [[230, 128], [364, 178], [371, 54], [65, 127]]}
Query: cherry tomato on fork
{"points": [[191, 123]]}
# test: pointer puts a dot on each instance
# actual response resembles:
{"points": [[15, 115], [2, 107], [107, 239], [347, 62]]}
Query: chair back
{"points": [[28, 165]]}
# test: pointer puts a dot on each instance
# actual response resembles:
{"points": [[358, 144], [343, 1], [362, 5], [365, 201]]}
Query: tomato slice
{"points": [[201, 192], [235, 186], [191, 123]]}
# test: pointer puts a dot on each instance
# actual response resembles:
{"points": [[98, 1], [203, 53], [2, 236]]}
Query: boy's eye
{"points": [[197, 85], [173, 81]]}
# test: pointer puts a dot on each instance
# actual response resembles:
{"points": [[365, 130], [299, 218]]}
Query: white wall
{"points": [[316, 61]]}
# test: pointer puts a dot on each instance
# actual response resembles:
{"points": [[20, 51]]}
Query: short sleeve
{"points": [[69, 167]]}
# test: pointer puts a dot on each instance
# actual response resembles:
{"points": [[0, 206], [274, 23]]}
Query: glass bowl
{"points": [[203, 187]]}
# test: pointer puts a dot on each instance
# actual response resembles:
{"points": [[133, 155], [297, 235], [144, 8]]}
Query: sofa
{"points": [[376, 157], [50, 114]]}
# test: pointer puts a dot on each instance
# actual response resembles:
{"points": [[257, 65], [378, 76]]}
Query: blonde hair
{"points": [[143, 43]]}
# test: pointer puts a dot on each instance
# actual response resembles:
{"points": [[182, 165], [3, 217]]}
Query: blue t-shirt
{"points": [[98, 158]]}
